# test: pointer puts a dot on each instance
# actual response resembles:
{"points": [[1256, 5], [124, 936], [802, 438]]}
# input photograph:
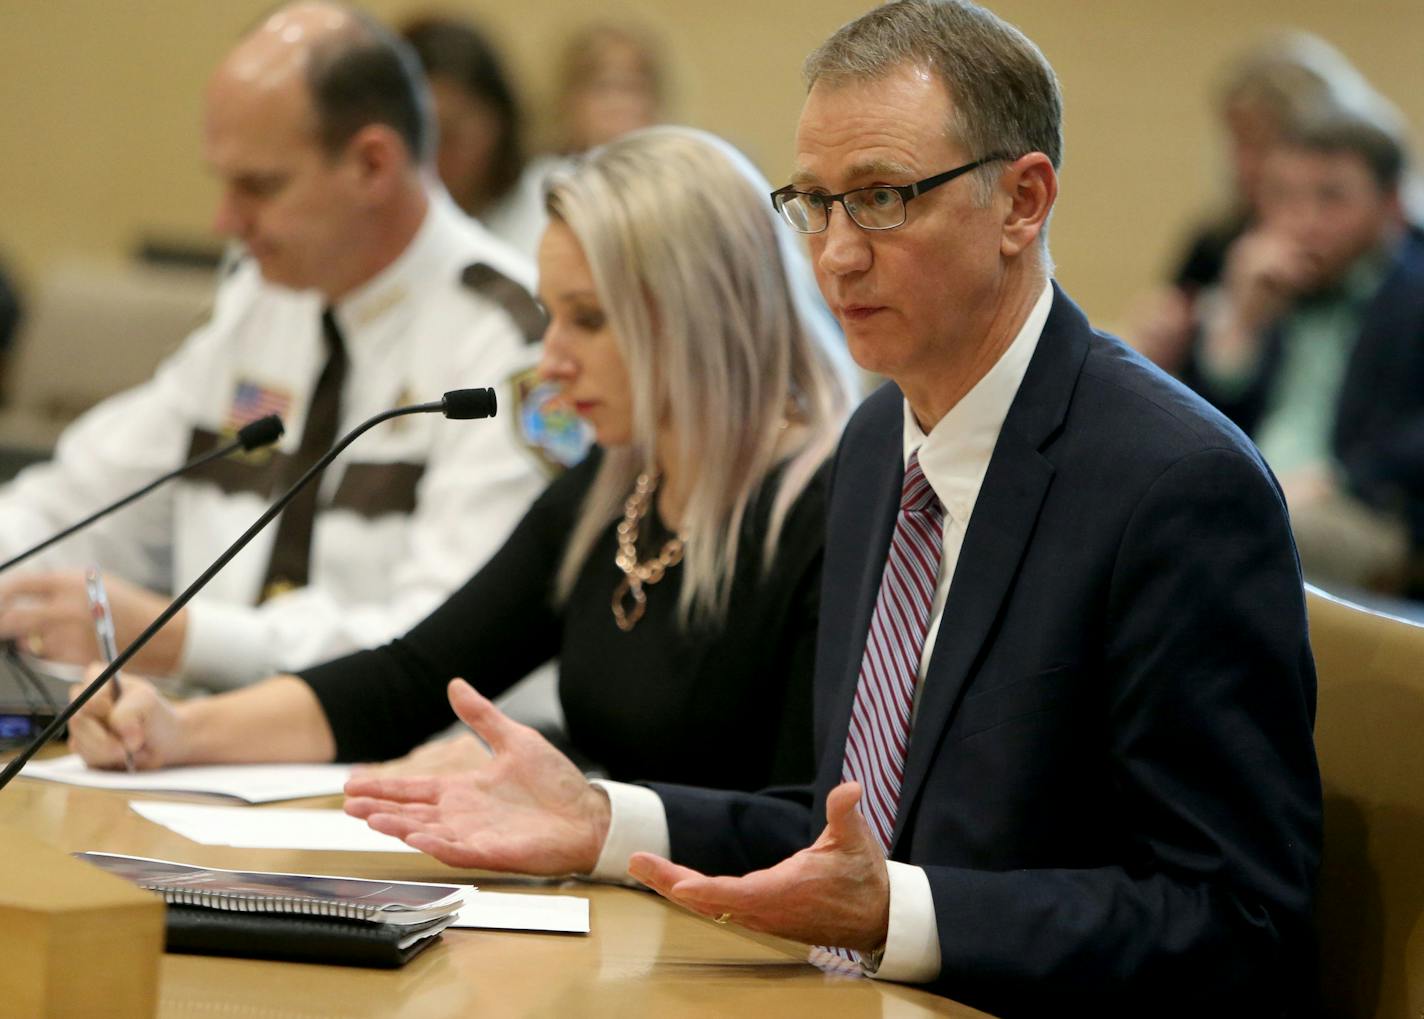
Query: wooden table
{"points": [[645, 958]]}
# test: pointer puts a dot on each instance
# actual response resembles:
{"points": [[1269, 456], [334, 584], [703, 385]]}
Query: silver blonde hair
{"points": [[721, 342]]}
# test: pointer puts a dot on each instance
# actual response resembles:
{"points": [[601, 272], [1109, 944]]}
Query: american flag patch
{"points": [[253, 401]]}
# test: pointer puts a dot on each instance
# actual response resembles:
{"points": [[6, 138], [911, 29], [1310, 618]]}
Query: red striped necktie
{"points": [[880, 718], [879, 734]]}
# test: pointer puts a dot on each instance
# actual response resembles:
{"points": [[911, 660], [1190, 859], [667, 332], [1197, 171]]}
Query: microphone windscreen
{"points": [[259, 433], [466, 404]]}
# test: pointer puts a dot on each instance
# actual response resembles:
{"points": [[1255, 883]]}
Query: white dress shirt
{"points": [[954, 457]]}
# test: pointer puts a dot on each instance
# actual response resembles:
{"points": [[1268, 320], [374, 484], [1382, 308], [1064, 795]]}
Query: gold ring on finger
{"points": [[722, 919], [36, 643]]}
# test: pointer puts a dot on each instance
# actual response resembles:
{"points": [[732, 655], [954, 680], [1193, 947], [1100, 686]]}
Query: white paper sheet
{"points": [[562, 914], [276, 828], [252, 783]]}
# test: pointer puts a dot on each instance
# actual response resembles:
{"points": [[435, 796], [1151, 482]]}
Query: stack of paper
{"points": [[277, 828], [252, 783]]}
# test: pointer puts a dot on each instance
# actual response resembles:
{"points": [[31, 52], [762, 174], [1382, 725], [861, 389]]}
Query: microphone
{"points": [[467, 404], [255, 435], [458, 404]]}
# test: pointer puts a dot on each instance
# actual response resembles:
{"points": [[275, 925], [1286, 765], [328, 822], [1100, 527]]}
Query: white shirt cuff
{"points": [[637, 824], [226, 646], [912, 944]]}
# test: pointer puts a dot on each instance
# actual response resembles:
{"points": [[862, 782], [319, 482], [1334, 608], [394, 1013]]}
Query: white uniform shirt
{"points": [[382, 555]]}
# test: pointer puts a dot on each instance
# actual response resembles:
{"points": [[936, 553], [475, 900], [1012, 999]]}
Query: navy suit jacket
{"points": [[1111, 780]]}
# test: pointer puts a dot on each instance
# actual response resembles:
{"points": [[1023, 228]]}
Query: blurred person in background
{"points": [[1314, 344], [480, 151], [610, 82], [1262, 95]]}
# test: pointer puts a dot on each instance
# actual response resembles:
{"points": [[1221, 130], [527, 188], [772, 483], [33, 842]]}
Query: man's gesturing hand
{"points": [[835, 893], [528, 810]]}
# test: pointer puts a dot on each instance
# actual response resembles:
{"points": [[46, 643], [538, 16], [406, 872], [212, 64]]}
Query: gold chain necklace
{"points": [[636, 574]]}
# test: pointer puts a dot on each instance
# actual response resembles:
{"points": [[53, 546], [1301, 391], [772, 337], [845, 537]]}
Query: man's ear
{"points": [[377, 159], [1032, 186]]}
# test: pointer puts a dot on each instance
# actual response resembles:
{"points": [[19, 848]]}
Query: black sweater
{"points": [[727, 708]]}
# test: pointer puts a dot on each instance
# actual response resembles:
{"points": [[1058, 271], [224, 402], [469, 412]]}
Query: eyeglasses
{"points": [[878, 207]]}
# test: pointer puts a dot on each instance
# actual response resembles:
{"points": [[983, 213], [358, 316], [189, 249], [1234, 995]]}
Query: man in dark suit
{"points": [[1314, 345], [1064, 693]]}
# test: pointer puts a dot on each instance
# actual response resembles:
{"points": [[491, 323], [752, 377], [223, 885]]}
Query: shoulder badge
{"points": [[557, 436], [489, 282]]}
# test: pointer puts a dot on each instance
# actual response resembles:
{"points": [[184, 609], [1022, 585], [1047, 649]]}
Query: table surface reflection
{"points": [[645, 956]]}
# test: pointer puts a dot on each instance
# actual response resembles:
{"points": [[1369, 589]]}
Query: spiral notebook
{"points": [[307, 917], [250, 891]]}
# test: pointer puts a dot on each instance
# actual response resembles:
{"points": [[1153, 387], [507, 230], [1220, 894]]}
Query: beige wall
{"points": [[99, 103]]}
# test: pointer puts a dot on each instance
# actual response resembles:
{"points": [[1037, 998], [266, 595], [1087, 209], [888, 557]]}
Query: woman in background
{"points": [[610, 82], [481, 154]]}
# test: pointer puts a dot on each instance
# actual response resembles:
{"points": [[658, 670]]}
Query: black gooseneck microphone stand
{"points": [[462, 404]]}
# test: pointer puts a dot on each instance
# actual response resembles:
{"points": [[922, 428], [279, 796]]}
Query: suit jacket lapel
{"points": [[999, 531], [866, 539]]}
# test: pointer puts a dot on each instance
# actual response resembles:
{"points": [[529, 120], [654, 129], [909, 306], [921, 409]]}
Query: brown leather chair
{"points": [[1369, 733]]}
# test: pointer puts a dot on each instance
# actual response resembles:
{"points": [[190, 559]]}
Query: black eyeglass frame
{"points": [[781, 195]]}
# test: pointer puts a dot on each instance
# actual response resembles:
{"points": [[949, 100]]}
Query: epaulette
{"points": [[489, 282]]}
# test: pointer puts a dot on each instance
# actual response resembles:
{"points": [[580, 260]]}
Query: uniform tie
{"points": [[291, 550]]}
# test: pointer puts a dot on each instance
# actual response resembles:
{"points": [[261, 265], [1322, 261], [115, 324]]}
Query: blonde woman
{"points": [[674, 573]]}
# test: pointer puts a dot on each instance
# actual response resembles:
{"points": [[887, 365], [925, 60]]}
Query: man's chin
{"points": [[1324, 274], [872, 351], [281, 276], [270, 270], [1322, 283]]}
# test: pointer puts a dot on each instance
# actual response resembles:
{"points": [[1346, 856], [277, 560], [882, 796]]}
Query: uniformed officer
{"points": [[361, 288]]}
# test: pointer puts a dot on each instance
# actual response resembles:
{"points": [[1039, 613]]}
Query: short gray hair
{"points": [[1005, 95]]}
